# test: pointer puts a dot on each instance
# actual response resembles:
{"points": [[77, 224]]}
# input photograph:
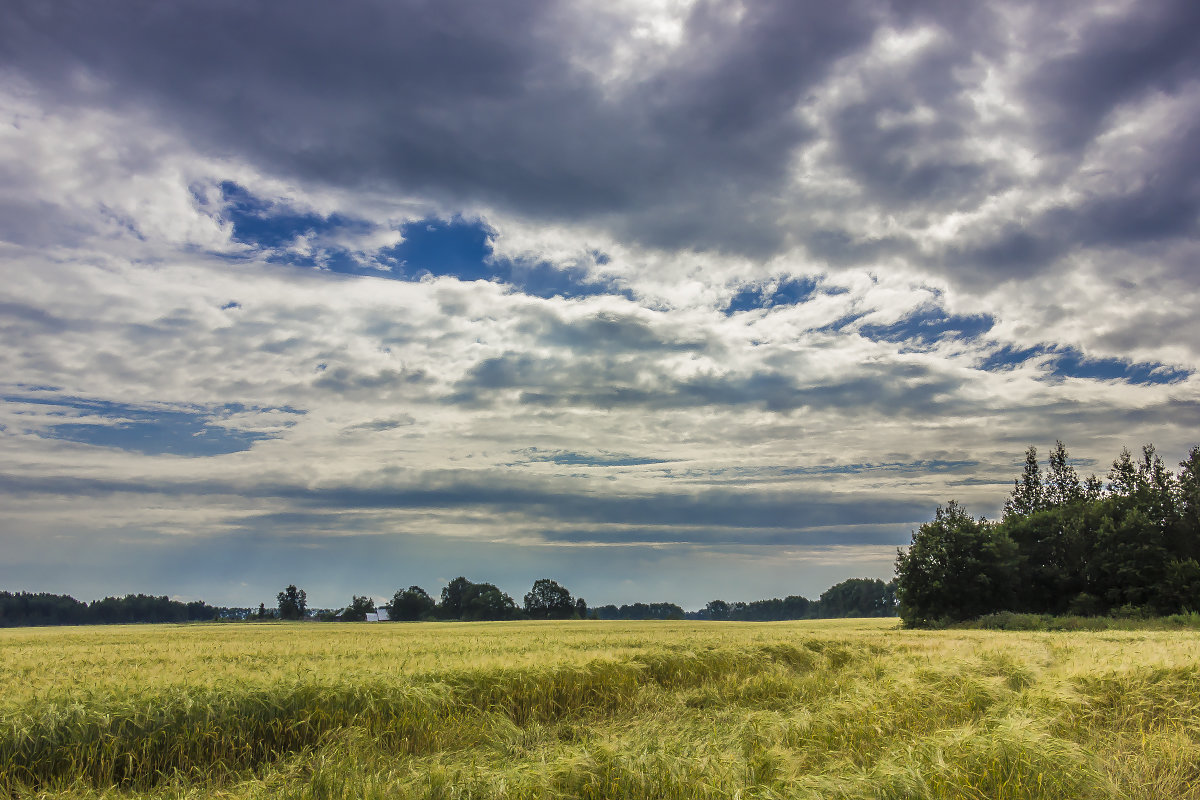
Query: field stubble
{"points": [[847, 709]]}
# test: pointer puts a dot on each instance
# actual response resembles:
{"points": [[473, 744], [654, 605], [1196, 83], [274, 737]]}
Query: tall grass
{"points": [[536, 710]]}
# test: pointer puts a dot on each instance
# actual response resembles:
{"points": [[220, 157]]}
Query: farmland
{"points": [[849, 709]]}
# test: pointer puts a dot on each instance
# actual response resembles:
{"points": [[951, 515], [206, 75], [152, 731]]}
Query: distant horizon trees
{"points": [[21, 609], [854, 597], [293, 603], [460, 600], [1063, 546], [550, 600]]}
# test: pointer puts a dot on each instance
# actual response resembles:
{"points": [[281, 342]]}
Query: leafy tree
{"points": [[716, 609], [581, 608], [1189, 506], [856, 597], [486, 602], [956, 568], [1028, 494], [549, 600], [410, 605], [1062, 483], [452, 597], [462, 599], [358, 609], [293, 603]]}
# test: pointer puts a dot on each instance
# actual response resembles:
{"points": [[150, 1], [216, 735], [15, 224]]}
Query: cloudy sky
{"points": [[665, 300]]}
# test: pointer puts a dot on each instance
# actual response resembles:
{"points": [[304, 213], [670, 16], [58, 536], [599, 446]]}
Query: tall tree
{"points": [[956, 568], [1062, 483], [549, 600], [453, 595], [1028, 494], [856, 597], [293, 603], [410, 605], [358, 609]]}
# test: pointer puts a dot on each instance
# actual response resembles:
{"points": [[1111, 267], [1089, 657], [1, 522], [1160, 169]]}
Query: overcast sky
{"points": [[669, 301]]}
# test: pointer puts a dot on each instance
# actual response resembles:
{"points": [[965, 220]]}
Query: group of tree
{"points": [[1063, 546], [464, 600], [460, 599], [855, 597], [25, 608]]}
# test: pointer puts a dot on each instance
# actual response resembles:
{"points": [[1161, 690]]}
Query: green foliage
{"points": [[956, 568], [639, 611], [1082, 549], [464, 600], [25, 608], [858, 597], [410, 605], [549, 600], [293, 603], [358, 609]]}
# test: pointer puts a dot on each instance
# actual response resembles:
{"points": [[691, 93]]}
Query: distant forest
{"points": [[1129, 546], [460, 600]]}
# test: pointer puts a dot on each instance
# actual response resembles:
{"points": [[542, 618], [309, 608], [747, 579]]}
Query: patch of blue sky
{"points": [[929, 325], [787, 292], [462, 248], [842, 322], [267, 225], [458, 247], [181, 430], [1071, 362]]}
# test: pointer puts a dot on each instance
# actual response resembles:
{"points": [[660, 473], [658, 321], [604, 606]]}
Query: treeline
{"points": [[460, 600], [1128, 546], [547, 599], [25, 608]]}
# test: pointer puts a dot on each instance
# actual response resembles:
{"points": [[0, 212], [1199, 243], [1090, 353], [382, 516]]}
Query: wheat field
{"points": [[822, 709]]}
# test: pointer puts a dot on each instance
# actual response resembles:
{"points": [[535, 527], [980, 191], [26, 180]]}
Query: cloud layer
{"points": [[613, 292]]}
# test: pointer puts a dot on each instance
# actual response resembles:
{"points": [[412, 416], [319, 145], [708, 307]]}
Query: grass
{"points": [[830, 709]]}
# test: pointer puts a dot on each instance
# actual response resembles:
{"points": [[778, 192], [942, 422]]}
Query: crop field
{"points": [[827, 709]]}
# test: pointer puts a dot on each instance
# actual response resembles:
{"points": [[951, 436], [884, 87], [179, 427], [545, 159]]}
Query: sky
{"points": [[668, 301]]}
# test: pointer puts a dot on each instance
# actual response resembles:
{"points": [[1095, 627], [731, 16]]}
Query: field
{"points": [[832, 709]]}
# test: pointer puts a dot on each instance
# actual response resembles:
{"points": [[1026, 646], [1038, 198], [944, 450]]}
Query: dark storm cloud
{"points": [[608, 332], [1118, 58], [1160, 203], [499, 494], [612, 383], [462, 102]]}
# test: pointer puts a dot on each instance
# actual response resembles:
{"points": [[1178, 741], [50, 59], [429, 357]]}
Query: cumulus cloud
{"points": [[685, 284]]}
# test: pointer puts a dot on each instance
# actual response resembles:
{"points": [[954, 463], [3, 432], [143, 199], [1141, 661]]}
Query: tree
{"points": [[462, 599], [856, 597], [1189, 505], [452, 597], [293, 603], [358, 609], [956, 568], [487, 602], [1028, 494], [1062, 483], [410, 605], [716, 609], [549, 600]]}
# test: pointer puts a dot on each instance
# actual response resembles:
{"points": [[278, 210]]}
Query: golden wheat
{"points": [[846, 709]]}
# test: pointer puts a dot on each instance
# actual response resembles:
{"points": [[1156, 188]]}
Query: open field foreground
{"points": [[831, 709]]}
